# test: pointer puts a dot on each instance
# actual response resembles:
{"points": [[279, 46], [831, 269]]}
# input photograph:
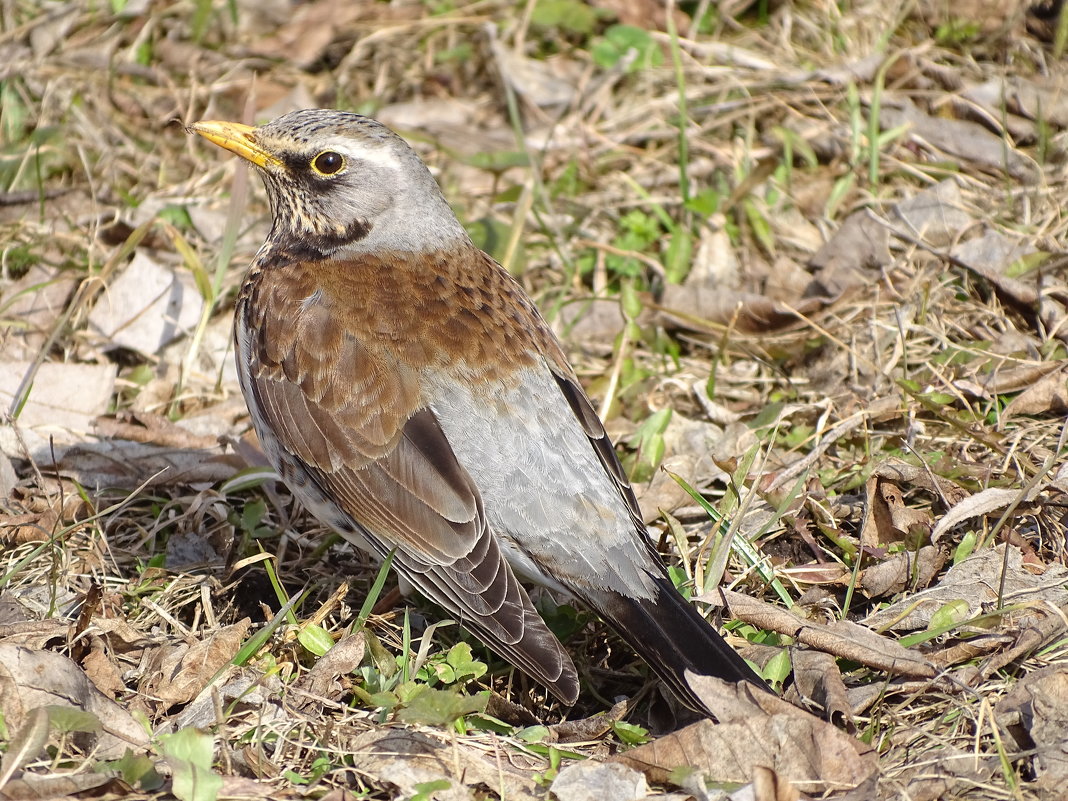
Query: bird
{"points": [[411, 395]]}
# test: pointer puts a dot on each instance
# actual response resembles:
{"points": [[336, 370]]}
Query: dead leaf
{"points": [[947, 773], [889, 520], [756, 730], [153, 429], [650, 15], [146, 306], [31, 306], [312, 27], [123, 464], [907, 570], [959, 140], [991, 499], [103, 672], [854, 256], [36, 787], [976, 581], [181, 671], [818, 683], [1029, 631], [1048, 395], [1035, 715], [544, 82], [595, 321], [1015, 379], [1038, 97], [344, 658], [242, 689], [30, 679], [992, 254], [595, 781], [704, 308], [24, 745], [51, 410], [588, 729], [936, 215], [687, 445], [409, 758], [918, 476]]}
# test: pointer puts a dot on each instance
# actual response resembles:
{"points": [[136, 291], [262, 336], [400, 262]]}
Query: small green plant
{"points": [[569, 16], [457, 667], [190, 754], [630, 733], [957, 31], [627, 44]]}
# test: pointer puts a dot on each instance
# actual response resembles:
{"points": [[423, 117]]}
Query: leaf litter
{"points": [[845, 282]]}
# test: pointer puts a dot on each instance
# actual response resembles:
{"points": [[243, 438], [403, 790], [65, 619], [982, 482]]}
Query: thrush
{"points": [[412, 397]]}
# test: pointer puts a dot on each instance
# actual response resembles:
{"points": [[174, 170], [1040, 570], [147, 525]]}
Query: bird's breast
{"points": [[453, 312]]}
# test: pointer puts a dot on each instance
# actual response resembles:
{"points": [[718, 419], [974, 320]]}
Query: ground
{"points": [[807, 258]]}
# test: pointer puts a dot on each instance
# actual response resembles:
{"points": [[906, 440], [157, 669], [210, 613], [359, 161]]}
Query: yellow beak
{"points": [[236, 138]]}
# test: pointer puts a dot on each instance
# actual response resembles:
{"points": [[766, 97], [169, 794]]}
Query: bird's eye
{"points": [[328, 163]]}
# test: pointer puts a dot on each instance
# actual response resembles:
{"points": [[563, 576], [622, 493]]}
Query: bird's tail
{"points": [[672, 637]]}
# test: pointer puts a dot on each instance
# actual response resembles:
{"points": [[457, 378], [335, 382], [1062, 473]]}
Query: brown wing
{"points": [[353, 419]]}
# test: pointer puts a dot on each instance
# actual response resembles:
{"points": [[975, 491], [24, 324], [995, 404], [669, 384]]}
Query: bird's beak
{"points": [[236, 138]]}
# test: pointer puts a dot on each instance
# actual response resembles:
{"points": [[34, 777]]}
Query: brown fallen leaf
{"points": [[102, 671], [314, 26], [344, 658], [52, 416], [128, 465], [24, 745], [30, 679], [756, 730], [1048, 395], [961, 140], [179, 672], [902, 571], [1016, 379], [154, 429], [407, 759], [37, 787], [1032, 630], [706, 308], [903, 473], [889, 519], [1034, 714], [770, 786], [591, 780], [991, 499], [977, 581], [818, 683], [146, 306], [948, 773], [1038, 97], [31, 306], [854, 256]]}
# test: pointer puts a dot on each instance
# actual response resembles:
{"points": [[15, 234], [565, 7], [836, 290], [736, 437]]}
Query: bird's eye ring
{"points": [[328, 163]]}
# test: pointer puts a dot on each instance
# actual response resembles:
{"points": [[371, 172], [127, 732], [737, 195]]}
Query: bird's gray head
{"points": [[340, 184]]}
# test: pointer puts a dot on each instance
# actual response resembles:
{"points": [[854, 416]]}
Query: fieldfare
{"points": [[411, 396]]}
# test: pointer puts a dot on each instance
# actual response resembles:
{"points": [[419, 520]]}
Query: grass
{"points": [[653, 169]]}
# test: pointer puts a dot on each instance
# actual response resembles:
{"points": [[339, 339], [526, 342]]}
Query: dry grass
{"points": [[896, 361]]}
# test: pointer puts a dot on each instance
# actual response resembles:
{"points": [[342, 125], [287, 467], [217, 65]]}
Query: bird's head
{"points": [[340, 183]]}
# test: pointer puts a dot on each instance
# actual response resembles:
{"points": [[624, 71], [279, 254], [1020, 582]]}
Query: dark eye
{"points": [[328, 162]]}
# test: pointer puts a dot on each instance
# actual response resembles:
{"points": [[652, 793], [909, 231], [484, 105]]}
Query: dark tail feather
{"points": [[672, 637]]}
